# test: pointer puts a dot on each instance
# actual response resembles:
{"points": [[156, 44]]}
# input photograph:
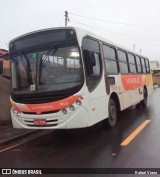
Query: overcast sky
{"points": [[126, 22]]}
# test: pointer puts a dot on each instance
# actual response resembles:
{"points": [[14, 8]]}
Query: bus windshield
{"points": [[56, 69]]}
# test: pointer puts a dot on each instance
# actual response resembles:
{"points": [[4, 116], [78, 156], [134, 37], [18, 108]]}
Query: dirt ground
{"points": [[4, 99]]}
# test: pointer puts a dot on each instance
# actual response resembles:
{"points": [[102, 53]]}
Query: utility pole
{"points": [[134, 46], [66, 18]]}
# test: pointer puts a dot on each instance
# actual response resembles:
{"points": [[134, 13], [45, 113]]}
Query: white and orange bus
{"points": [[65, 78]]}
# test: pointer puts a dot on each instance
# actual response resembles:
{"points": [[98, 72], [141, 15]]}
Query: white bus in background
{"points": [[65, 78]]}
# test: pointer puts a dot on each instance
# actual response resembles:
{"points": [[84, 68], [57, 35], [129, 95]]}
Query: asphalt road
{"points": [[94, 147]]}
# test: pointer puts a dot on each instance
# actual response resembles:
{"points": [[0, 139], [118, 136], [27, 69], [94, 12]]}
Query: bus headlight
{"points": [[78, 102], [15, 111], [72, 108], [64, 111], [18, 114]]}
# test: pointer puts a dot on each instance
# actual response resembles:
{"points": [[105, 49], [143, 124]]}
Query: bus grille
{"points": [[49, 123], [47, 112]]}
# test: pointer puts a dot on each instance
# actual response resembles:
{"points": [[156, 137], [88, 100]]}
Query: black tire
{"points": [[138, 106], [143, 103], [112, 110]]}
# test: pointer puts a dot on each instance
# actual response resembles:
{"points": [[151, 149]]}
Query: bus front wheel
{"points": [[112, 110], [143, 103]]}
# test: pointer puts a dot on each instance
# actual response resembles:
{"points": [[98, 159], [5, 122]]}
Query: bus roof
{"points": [[82, 33]]}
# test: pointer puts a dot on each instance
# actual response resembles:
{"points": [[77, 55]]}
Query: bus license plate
{"points": [[39, 121]]}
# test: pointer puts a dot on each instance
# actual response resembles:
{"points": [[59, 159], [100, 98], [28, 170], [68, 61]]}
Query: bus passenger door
{"points": [[95, 81]]}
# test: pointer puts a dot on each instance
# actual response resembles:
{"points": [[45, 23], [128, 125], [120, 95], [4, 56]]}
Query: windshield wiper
{"points": [[43, 62], [26, 65]]}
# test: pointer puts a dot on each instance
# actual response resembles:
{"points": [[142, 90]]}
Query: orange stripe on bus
{"points": [[131, 81], [44, 107]]}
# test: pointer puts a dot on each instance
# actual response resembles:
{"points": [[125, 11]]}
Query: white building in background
{"points": [[154, 64]]}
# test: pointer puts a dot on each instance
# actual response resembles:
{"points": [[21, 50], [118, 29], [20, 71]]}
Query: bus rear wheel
{"points": [[112, 110], [143, 103]]}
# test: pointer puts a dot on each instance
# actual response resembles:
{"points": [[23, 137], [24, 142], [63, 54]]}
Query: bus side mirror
{"points": [[1, 67], [92, 59]]}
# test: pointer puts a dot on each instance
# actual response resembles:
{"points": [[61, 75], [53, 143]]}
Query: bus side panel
{"points": [[149, 83], [98, 103], [149, 89], [78, 119], [119, 90], [132, 87]]}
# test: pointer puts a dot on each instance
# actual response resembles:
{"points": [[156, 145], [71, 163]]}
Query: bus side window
{"points": [[123, 63], [132, 63], [139, 69], [92, 61], [143, 65], [110, 60], [147, 66]]}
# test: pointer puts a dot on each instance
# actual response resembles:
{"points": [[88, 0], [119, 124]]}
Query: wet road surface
{"points": [[94, 147]]}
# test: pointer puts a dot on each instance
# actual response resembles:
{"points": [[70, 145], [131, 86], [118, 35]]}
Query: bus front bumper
{"points": [[73, 119]]}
